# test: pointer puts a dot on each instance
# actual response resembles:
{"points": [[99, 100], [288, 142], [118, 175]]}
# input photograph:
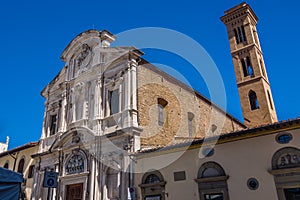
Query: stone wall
{"points": [[154, 84]]}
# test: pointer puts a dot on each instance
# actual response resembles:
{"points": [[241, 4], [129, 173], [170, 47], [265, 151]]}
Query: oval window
{"points": [[284, 138], [207, 152]]}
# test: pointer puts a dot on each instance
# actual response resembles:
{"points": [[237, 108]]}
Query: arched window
{"points": [[244, 38], [244, 66], [21, 165], [152, 178], [240, 35], [191, 128], [214, 128], [236, 36], [286, 172], [212, 182], [253, 100], [161, 111], [6, 165], [153, 186], [247, 67], [250, 71], [30, 171]]}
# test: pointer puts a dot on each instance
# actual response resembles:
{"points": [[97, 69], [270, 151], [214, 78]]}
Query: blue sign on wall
{"points": [[50, 179]]}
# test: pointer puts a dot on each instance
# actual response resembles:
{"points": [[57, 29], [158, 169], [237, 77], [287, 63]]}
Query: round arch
{"points": [[212, 181], [76, 162], [286, 157], [286, 172], [153, 185], [210, 169]]}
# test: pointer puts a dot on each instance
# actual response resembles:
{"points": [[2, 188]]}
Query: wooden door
{"points": [[75, 191]]}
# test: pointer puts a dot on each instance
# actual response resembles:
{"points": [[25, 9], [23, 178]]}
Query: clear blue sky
{"points": [[34, 34]]}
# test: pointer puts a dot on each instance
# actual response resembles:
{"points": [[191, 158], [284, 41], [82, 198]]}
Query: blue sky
{"points": [[34, 34]]}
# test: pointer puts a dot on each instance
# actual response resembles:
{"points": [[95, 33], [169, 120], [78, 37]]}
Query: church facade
{"points": [[108, 105]]}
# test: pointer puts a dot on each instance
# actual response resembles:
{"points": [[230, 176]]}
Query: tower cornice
{"points": [[239, 11]]}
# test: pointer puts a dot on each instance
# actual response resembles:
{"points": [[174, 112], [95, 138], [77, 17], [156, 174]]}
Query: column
{"points": [[98, 112], [134, 93]]}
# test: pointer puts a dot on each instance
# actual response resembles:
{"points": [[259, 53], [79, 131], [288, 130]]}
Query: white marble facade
{"points": [[90, 121]]}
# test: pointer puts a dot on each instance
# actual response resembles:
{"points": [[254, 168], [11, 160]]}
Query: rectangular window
{"points": [[114, 101], [31, 171], [216, 196], [53, 124]]}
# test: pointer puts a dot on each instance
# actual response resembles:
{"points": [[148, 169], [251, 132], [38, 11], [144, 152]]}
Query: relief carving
{"points": [[84, 57], [76, 137], [289, 160], [75, 164]]}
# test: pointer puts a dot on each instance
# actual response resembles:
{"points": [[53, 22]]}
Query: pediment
{"points": [[91, 38], [79, 136]]}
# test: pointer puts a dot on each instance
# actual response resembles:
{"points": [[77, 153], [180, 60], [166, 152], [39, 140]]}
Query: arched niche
{"points": [[286, 172], [212, 182], [153, 186], [75, 163]]}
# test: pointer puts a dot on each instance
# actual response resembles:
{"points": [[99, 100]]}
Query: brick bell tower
{"points": [[251, 75]]}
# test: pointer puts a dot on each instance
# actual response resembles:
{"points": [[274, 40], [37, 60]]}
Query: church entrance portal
{"points": [[75, 191]]}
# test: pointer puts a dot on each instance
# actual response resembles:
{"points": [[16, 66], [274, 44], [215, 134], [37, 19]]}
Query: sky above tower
{"points": [[34, 34]]}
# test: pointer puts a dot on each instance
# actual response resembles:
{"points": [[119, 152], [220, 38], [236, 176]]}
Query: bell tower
{"points": [[251, 75]]}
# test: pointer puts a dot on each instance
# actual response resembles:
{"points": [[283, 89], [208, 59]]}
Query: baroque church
{"points": [[111, 118]]}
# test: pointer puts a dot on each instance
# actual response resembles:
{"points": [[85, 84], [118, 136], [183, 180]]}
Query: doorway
{"points": [[74, 191]]}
